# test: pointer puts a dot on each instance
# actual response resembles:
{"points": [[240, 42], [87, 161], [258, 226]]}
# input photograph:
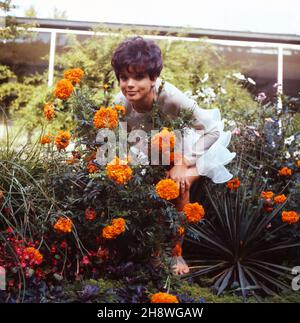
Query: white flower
{"points": [[208, 94], [205, 78], [289, 140], [223, 91], [287, 155], [143, 172], [296, 153], [250, 80], [239, 76], [231, 123]]}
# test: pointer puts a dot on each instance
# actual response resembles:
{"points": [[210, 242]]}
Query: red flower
{"points": [[85, 260], [90, 214]]}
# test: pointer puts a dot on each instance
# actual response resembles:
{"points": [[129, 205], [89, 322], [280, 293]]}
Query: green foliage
{"points": [[10, 30], [196, 291], [289, 297], [6, 74], [104, 288], [15, 95]]}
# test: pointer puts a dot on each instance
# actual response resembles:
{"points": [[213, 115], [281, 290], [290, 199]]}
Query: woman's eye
{"points": [[123, 78], [140, 76]]}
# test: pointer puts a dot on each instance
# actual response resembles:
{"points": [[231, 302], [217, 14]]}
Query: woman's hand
{"points": [[179, 173]]}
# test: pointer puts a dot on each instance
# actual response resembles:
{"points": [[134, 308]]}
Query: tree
{"points": [[59, 14], [10, 28], [6, 5], [31, 12]]}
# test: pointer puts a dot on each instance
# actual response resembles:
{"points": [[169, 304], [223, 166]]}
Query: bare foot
{"points": [[179, 266]]}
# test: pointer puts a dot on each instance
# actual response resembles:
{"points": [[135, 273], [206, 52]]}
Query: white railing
{"points": [[278, 48]]}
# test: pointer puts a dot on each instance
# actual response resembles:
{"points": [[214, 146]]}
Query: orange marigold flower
{"points": [[165, 140], [33, 255], [285, 171], [119, 171], [234, 184], [74, 75], [280, 199], [46, 139], [267, 194], [62, 139], [120, 108], [298, 163], [49, 111], [163, 298], [91, 156], [194, 212], [106, 118], [63, 89], [114, 230], [119, 224], [181, 231], [91, 167], [90, 214], [167, 189], [177, 250], [290, 217], [63, 225], [109, 232]]}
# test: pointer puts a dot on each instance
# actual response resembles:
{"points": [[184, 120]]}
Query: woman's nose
{"points": [[130, 83]]}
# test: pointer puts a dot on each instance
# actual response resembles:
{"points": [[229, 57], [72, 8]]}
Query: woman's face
{"points": [[135, 85]]}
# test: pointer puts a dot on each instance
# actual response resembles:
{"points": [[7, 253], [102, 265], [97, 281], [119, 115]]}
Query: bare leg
{"points": [[179, 266]]}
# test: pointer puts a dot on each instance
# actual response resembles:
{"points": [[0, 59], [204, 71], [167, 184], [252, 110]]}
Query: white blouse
{"points": [[205, 144]]}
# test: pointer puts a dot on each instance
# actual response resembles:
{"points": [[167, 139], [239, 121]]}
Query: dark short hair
{"points": [[140, 54]]}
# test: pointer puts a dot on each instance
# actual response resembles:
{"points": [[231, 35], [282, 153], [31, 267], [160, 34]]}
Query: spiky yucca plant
{"points": [[238, 242]]}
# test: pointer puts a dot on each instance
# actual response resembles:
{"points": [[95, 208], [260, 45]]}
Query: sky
{"points": [[269, 16]]}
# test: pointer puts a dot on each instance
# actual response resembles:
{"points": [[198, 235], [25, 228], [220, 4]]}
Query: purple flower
{"points": [[88, 291]]}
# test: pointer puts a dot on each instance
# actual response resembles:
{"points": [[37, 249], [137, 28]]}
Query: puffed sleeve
{"points": [[205, 144]]}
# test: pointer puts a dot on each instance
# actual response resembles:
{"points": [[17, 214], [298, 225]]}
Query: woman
{"points": [[137, 63]]}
